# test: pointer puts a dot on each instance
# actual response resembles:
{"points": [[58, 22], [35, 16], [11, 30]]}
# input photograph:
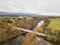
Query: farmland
{"points": [[55, 24]]}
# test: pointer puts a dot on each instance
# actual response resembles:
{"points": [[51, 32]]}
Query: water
{"points": [[16, 41], [40, 23]]}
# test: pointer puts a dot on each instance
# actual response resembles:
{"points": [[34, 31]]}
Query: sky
{"points": [[31, 6]]}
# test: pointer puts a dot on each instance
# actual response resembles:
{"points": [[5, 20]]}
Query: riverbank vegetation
{"points": [[53, 29], [50, 27]]}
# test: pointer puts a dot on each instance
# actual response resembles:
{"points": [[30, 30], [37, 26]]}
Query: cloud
{"points": [[30, 6]]}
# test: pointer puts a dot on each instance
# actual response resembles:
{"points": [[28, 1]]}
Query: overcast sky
{"points": [[31, 6]]}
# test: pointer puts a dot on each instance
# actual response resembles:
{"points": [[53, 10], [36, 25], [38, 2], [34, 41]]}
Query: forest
{"points": [[50, 27]]}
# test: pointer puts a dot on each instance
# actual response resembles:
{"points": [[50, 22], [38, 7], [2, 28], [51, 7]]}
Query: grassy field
{"points": [[55, 24]]}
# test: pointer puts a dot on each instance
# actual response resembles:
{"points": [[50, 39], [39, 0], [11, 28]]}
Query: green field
{"points": [[55, 24]]}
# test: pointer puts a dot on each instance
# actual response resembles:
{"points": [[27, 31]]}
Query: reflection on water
{"points": [[16, 41]]}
